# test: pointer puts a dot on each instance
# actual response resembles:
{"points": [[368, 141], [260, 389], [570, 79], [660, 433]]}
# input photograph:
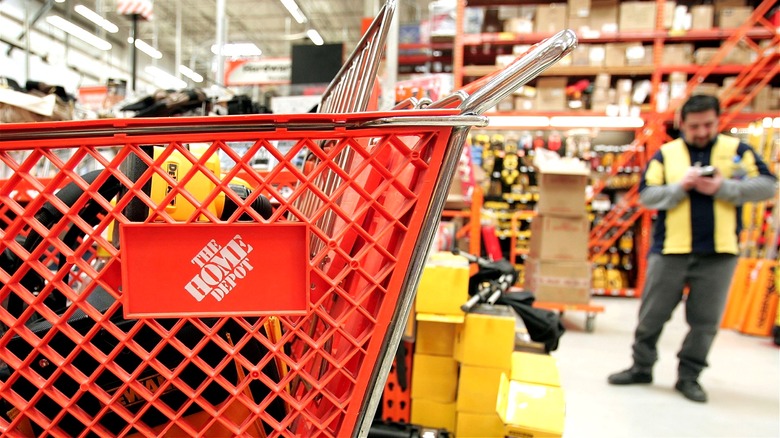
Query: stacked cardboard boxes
{"points": [[443, 289], [483, 348], [558, 269], [530, 400]]}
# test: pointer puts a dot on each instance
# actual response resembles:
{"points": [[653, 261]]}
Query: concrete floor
{"points": [[743, 381]]}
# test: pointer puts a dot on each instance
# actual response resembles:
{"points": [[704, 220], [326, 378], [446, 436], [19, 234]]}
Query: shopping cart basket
{"points": [[220, 307]]}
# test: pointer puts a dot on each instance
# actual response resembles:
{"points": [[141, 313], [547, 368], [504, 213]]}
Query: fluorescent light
{"points": [[596, 122], [59, 1], [94, 17], [315, 36], [519, 121], [165, 79], [237, 50], [186, 71], [146, 48], [294, 10], [84, 35]]}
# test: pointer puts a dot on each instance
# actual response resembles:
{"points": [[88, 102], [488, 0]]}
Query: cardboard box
{"points": [[596, 55], [706, 89], [444, 285], [702, 17], [615, 55], [762, 101], [604, 16], [559, 282], [578, 9], [519, 25], [435, 338], [551, 18], [637, 15], [669, 7], [739, 55], [434, 378], [720, 5], [560, 238], [774, 103], [530, 410], [704, 55], [478, 389], [434, 414], [551, 94], [487, 338], [677, 54], [734, 17], [479, 425], [579, 24], [603, 81], [581, 55], [562, 192], [637, 54], [541, 369]]}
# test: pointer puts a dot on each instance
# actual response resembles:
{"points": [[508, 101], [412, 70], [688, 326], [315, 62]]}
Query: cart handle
{"points": [[486, 92]]}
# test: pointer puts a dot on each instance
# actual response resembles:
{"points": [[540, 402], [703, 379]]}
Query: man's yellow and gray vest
{"points": [[691, 222]]}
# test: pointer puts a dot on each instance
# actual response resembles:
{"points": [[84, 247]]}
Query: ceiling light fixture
{"points": [[94, 17], [315, 37], [146, 48], [186, 71], [237, 50], [294, 10], [78, 32], [165, 79]]}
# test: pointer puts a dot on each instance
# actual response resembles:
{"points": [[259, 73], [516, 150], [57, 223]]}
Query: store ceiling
{"points": [[266, 23]]}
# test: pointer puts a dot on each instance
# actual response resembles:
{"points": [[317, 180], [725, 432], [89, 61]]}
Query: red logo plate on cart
{"points": [[204, 270]]}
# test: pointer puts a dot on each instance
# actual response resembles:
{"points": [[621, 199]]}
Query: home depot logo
{"points": [[220, 268]]}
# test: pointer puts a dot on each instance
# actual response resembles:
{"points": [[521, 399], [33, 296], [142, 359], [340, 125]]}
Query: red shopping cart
{"points": [[162, 295]]}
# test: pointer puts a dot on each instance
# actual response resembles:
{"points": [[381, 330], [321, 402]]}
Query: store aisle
{"points": [[743, 382]]}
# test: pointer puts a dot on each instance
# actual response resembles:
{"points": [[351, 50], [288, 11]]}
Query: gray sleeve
{"points": [[739, 192], [662, 197]]}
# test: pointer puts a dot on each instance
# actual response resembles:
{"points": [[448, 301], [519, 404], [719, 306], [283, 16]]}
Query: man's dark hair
{"points": [[700, 104]]}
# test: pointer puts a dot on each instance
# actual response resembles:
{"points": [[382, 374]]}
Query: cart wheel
{"points": [[590, 323]]}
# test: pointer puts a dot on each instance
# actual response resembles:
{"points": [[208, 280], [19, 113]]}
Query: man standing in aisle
{"points": [[697, 183]]}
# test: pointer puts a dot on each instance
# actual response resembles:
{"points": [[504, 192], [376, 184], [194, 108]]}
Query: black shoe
{"points": [[691, 390], [629, 377]]}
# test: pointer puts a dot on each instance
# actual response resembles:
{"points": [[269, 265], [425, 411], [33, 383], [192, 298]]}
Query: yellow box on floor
{"points": [[478, 389], [530, 410], [444, 285], [541, 369], [486, 340], [435, 338], [433, 414], [434, 378], [479, 425]]}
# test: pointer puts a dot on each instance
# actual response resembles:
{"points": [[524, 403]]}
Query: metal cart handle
{"points": [[483, 94]]}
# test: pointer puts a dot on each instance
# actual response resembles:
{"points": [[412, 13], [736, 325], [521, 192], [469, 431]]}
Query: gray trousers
{"points": [[708, 278]]}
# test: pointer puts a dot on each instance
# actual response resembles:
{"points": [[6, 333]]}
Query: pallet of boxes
{"points": [[461, 358], [557, 269]]}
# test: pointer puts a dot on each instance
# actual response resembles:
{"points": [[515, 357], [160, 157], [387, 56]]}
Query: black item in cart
{"points": [[543, 326]]}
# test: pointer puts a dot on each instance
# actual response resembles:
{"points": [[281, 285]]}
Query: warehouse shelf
{"points": [[630, 70], [715, 34]]}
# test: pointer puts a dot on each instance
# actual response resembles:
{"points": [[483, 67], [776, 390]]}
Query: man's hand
{"points": [[708, 185], [688, 181]]}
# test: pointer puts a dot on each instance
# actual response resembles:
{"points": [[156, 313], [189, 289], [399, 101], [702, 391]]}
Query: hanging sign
{"points": [[257, 71], [143, 8]]}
